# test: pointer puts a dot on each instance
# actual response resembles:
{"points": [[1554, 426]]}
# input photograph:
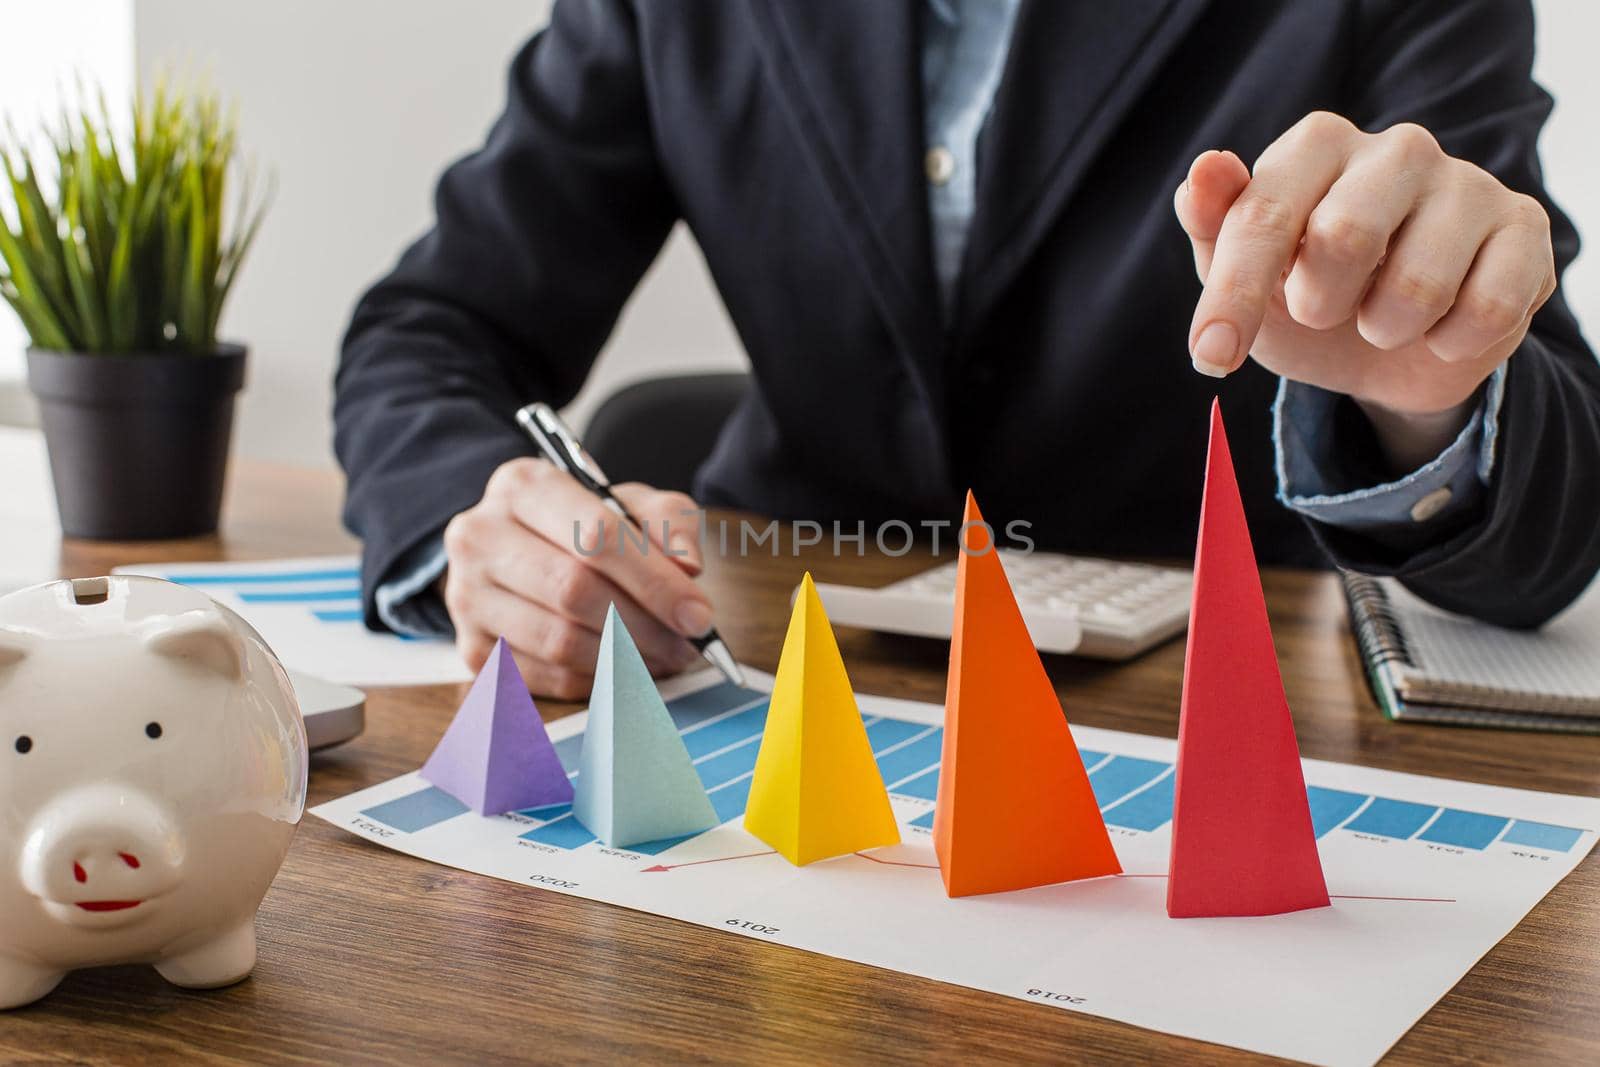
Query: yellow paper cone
{"points": [[816, 791]]}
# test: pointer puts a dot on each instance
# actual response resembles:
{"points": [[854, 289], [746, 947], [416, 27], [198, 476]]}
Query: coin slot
{"points": [[86, 591]]}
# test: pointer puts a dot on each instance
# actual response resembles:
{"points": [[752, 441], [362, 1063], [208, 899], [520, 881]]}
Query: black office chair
{"points": [[660, 430]]}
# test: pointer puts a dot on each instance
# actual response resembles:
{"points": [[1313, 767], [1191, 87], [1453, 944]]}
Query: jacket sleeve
{"points": [[1463, 71], [540, 237]]}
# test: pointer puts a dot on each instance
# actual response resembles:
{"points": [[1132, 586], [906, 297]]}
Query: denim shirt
{"points": [[964, 47]]}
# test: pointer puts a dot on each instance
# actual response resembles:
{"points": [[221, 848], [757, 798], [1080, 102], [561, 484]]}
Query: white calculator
{"points": [[1071, 604]]}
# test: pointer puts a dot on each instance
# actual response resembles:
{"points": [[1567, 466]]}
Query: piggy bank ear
{"points": [[14, 647], [200, 638]]}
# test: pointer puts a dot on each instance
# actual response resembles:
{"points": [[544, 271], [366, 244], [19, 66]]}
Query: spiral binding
{"points": [[1377, 633], [1382, 642]]}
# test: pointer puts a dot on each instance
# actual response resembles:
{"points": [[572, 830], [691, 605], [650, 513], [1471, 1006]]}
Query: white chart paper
{"points": [[309, 612], [1427, 875]]}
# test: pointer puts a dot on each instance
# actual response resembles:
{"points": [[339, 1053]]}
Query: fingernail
{"points": [[694, 617], [1215, 348]]}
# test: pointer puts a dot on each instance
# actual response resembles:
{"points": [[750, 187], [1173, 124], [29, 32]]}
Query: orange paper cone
{"points": [[1015, 808]]}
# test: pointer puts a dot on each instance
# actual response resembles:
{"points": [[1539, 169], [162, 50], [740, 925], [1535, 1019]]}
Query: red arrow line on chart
{"points": [[696, 863], [898, 863], [935, 866], [1340, 896]]}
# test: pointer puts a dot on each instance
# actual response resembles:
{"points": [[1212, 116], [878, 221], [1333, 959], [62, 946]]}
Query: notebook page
{"points": [[1557, 666]]}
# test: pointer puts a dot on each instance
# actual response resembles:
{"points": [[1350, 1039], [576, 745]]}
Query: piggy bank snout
{"points": [[100, 847]]}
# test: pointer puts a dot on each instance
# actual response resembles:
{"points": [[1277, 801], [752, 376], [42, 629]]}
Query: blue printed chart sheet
{"points": [[1427, 875], [309, 611]]}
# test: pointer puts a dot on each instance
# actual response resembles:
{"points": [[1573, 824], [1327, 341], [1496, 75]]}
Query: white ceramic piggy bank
{"points": [[152, 774]]}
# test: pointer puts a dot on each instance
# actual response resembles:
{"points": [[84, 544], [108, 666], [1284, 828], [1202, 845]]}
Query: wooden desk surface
{"points": [[371, 956]]}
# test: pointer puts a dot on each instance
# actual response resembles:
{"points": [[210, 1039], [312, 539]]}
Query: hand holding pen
{"points": [[563, 449], [515, 569]]}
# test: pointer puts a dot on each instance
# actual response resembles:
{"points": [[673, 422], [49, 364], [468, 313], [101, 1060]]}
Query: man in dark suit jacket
{"points": [[944, 231]]}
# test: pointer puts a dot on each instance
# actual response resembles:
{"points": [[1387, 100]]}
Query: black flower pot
{"points": [[138, 443]]}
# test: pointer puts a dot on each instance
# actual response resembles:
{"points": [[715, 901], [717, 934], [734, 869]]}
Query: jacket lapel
{"points": [[1073, 72], [849, 80]]}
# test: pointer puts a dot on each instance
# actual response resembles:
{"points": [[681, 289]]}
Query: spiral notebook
{"points": [[1429, 665]]}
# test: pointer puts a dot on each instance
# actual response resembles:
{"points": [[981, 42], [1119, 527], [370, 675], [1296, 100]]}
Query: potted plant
{"points": [[118, 270]]}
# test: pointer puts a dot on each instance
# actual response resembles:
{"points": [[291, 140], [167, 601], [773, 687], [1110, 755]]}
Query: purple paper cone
{"points": [[496, 756]]}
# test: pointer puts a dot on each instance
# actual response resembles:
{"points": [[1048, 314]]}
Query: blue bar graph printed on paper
{"points": [[722, 725], [924, 786], [309, 596], [915, 759], [338, 602], [1391, 818], [1330, 807], [339, 615], [562, 831], [417, 811], [1464, 829], [340, 574], [1542, 835], [1123, 775], [1148, 809]]}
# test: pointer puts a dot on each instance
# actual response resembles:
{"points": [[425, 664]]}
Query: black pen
{"points": [[561, 448]]}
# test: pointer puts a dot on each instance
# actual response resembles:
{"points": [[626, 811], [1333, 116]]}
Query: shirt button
{"points": [[939, 164], [1430, 505]]}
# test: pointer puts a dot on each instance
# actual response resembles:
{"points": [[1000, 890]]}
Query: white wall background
{"points": [[1566, 65], [42, 48], [357, 104]]}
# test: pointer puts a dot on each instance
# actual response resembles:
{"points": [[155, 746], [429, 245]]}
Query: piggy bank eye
{"points": [[152, 730], [24, 745]]}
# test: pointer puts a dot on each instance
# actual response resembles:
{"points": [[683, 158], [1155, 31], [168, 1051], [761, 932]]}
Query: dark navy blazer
{"points": [[788, 135]]}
